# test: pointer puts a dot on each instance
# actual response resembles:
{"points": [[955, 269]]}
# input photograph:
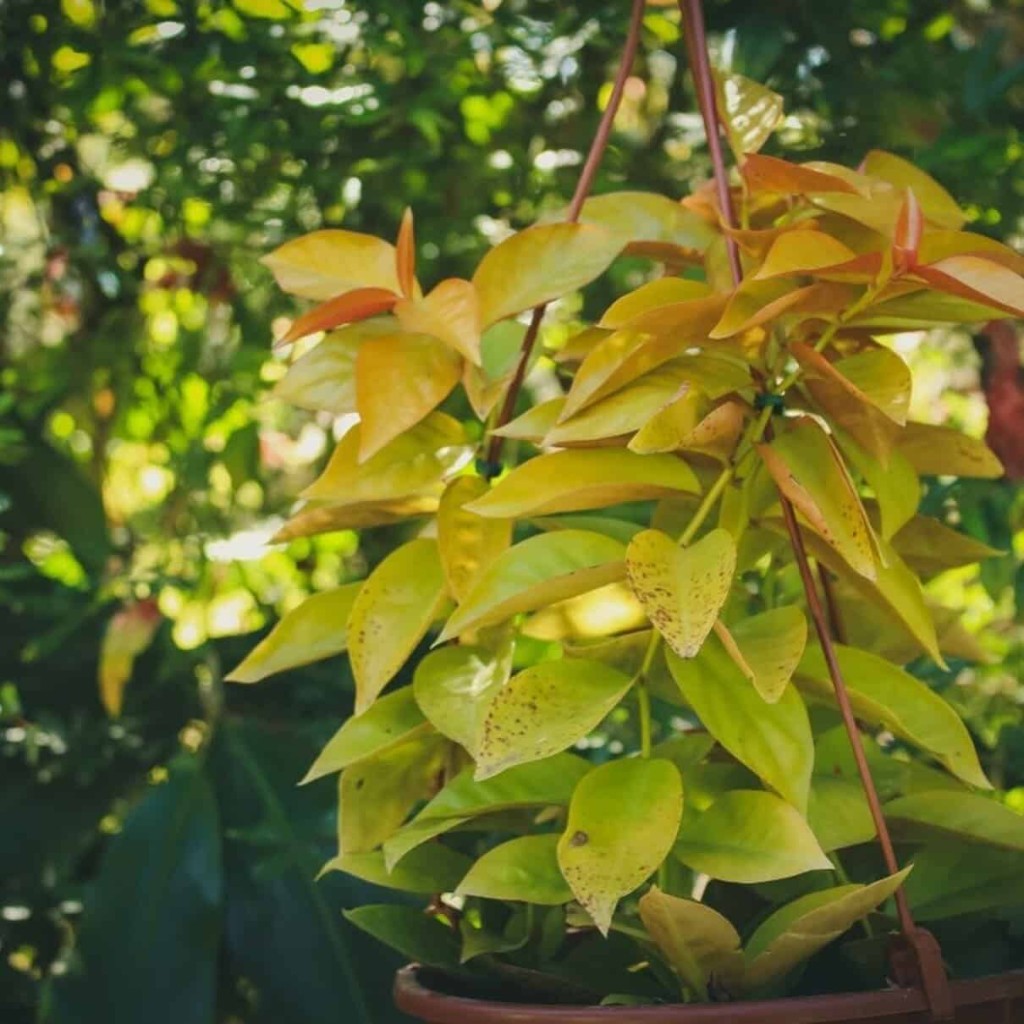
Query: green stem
{"points": [[643, 699], [706, 505]]}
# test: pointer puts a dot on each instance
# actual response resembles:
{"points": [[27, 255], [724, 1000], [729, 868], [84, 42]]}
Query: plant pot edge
{"points": [[894, 1006]]}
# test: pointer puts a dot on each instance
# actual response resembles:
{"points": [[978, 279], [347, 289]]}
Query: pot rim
{"points": [[417, 999]]}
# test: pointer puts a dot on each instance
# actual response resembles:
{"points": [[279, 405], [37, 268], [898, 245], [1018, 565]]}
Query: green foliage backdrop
{"points": [[150, 152]]}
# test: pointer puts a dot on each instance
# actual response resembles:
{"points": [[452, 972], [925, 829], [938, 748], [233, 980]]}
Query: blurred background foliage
{"points": [[156, 858]]}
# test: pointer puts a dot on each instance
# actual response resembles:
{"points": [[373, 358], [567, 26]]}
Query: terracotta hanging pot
{"points": [[998, 999]]}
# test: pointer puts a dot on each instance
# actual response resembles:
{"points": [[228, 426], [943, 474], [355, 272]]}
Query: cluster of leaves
{"points": [[652, 487], [150, 151]]}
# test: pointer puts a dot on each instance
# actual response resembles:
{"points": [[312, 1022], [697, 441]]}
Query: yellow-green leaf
{"points": [[313, 518], [544, 710], [965, 816], [411, 464], [316, 629], [938, 205], [943, 451], [591, 478], [929, 546], [673, 428], [389, 722], [400, 379], [751, 112], [431, 869], [648, 217], [538, 571], [885, 696], [455, 685], [838, 813], [895, 483], [540, 264], [547, 783], [663, 291], [757, 302], [681, 589], [697, 941], [523, 869], [769, 647], [376, 794], [773, 740], [803, 252], [808, 470], [326, 263], [391, 615], [622, 821], [469, 542], [749, 836], [324, 379], [799, 929]]}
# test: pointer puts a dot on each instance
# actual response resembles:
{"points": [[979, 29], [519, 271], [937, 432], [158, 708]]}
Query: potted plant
{"points": [[632, 715]]}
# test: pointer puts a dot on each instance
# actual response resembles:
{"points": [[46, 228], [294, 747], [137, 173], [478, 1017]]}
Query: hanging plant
{"points": [[720, 510]]}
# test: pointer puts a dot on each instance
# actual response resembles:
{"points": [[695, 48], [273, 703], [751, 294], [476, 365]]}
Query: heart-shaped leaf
{"points": [[430, 869], [681, 589]]}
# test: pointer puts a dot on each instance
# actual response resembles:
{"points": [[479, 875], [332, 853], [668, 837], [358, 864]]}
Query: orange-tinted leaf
{"points": [[663, 291], [448, 312], [937, 245], [540, 264], [937, 204], [770, 174], [809, 471], [405, 255], [399, 380], [128, 634], [342, 309], [977, 279], [326, 263], [803, 252], [909, 228]]}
